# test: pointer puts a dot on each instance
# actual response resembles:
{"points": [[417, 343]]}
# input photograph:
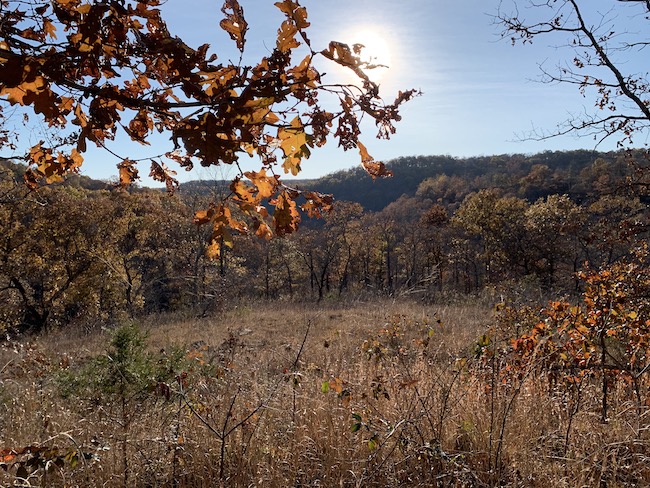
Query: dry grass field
{"points": [[298, 395]]}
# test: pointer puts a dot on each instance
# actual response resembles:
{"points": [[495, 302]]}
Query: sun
{"points": [[376, 52]]}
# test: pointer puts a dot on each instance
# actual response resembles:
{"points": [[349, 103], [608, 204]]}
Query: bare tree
{"points": [[606, 45]]}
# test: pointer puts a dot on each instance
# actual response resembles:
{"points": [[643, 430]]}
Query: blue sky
{"points": [[479, 92]]}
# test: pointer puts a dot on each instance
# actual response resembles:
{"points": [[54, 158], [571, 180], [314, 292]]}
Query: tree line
{"points": [[580, 173], [76, 253]]}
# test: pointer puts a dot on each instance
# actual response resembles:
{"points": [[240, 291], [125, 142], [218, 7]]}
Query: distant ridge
{"points": [[510, 172], [74, 180], [523, 175]]}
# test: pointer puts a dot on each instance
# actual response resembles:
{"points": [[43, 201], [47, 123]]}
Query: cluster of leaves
{"points": [[607, 336], [102, 67], [28, 462]]}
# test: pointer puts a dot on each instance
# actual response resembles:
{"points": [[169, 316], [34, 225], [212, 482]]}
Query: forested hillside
{"points": [[579, 174], [446, 226], [467, 322]]}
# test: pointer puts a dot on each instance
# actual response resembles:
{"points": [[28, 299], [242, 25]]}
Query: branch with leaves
{"points": [[93, 70], [601, 44]]}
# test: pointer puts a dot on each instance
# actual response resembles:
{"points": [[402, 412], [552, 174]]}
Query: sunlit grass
{"points": [[280, 394]]}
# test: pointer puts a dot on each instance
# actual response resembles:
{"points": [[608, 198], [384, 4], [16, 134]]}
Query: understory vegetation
{"points": [[388, 393]]}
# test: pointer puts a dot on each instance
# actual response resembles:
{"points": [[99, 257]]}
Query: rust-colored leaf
{"points": [[317, 203], [50, 168], [140, 127], [376, 169], [234, 23], [128, 172], [17, 94], [160, 172], [243, 192], [263, 230], [266, 185], [285, 217]]}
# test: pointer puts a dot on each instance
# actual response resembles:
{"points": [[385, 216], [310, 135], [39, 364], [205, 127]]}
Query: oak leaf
{"points": [[128, 172], [285, 217], [317, 203], [287, 37], [160, 172], [295, 12], [294, 142], [243, 192], [376, 169], [266, 185], [49, 29], [234, 23]]}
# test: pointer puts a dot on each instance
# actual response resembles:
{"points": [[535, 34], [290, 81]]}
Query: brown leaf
{"points": [[50, 168], [263, 230], [162, 173], [376, 169], [140, 127], [317, 203], [287, 37], [128, 172], [294, 142], [49, 29], [234, 23], [285, 217]]}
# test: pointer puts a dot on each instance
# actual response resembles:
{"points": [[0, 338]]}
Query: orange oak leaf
{"points": [[376, 169], [263, 230], [317, 203], [128, 172], [266, 185], [294, 142], [285, 217], [243, 192], [234, 23]]}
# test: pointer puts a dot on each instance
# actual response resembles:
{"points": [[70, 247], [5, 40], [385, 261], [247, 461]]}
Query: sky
{"points": [[480, 94]]}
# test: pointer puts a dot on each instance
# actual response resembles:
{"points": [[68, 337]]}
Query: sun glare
{"points": [[376, 52]]}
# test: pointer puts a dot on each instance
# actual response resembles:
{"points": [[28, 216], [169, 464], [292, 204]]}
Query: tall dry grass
{"points": [[281, 394]]}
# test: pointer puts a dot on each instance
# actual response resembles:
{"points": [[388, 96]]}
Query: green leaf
{"points": [[372, 443], [356, 427], [325, 387]]}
